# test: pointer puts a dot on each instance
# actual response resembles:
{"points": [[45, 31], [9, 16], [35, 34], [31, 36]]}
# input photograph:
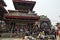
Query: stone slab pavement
{"points": [[11, 39]]}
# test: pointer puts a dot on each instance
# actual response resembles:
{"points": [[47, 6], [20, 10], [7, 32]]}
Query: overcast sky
{"points": [[50, 8]]}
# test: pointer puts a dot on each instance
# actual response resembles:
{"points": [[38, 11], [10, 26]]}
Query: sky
{"points": [[49, 8]]}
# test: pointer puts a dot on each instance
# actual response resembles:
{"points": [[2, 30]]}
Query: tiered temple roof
{"points": [[2, 9], [24, 5], [16, 14], [2, 3], [22, 10]]}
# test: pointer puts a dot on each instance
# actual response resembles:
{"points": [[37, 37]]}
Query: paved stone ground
{"points": [[17, 39], [58, 38], [11, 39], [22, 38]]}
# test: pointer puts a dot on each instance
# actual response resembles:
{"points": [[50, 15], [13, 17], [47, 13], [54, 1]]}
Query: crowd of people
{"points": [[35, 31]]}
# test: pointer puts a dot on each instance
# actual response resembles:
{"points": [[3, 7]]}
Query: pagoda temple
{"points": [[23, 17], [22, 21]]}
